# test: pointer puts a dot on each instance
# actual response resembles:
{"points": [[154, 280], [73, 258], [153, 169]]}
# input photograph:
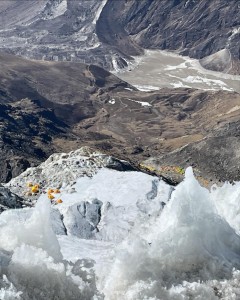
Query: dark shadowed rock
{"points": [[120, 165], [9, 200]]}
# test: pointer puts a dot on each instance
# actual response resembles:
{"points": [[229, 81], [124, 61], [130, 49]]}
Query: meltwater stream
{"points": [[190, 249]]}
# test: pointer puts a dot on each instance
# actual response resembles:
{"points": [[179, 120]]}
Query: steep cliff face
{"points": [[194, 28], [109, 32], [26, 134]]}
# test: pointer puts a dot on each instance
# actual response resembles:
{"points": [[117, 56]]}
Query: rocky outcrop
{"points": [[63, 169], [9, 200], [220, 61], [97, 202], [81, 219]]}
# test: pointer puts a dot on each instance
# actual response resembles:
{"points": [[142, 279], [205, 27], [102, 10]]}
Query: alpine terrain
{"points": [[120, 149]]}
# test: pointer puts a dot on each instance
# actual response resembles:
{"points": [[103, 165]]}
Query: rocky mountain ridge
{"points": [[198, 29], [61, 170], [58, 30], [89, 31], [69, 106]]}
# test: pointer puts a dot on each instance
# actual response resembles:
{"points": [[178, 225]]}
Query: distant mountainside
{"points": [[49, 107], [109, 32], [198, 29], [60, 30]]}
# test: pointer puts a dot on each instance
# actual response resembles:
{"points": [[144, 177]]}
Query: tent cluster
{"points": [[34, 189], [51, 195]]}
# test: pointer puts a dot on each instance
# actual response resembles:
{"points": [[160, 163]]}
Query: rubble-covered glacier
{"points": [[120, 235]]}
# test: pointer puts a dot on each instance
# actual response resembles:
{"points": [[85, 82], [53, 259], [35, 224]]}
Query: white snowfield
{"points": [[122, 236], [58, 9]]}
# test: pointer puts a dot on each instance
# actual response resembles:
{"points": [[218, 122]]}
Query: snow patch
{"points": [[115, 65], [58, 9], [233, 33], [146, 88], [199, 79], [112, 101], [180, 66], [31, 260], [140, 102], [179, 84], [207, 84], [98, 13], [36, 231], [118, 210], [235, 108]]}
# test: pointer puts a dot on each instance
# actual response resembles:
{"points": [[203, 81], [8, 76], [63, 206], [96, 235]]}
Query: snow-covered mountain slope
{"points": [[109, 32], [59, 30], [121, 235]]}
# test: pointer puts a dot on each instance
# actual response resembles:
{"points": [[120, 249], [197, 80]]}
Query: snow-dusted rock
{"points": [[99, 199], [61, 170], [107, 205], [81, 219]]}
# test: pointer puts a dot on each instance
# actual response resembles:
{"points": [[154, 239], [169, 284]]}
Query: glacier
{"points": [[121, 235]]}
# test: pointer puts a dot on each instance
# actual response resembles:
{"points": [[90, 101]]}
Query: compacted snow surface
{"points": [[124, 235]]}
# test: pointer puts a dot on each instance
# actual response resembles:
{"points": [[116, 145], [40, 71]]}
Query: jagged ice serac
{"points": [[188, 248]]}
